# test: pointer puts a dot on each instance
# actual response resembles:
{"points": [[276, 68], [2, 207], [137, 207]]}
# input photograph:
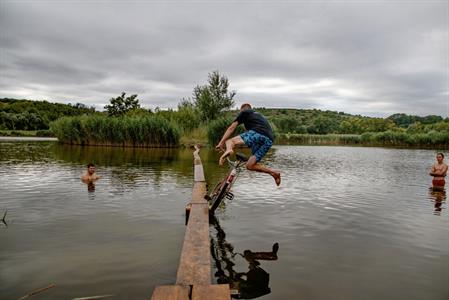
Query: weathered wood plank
{"points": [[194, 266], [206, 292], [198, 193], [171, 292], [194, 271], [198, 171]]}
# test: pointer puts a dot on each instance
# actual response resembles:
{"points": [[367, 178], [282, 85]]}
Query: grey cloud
{"points": [[381, 57]]}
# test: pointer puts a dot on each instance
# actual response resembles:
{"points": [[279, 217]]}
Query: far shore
{"points": [[28, 138], [191, 143]]}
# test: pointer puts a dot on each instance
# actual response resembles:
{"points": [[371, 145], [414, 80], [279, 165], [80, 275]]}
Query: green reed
{"points": [[128, 131], [432, 139]]}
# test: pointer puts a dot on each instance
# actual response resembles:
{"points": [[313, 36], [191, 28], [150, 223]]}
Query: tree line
{"points": [[209, 111], [18, 114]]}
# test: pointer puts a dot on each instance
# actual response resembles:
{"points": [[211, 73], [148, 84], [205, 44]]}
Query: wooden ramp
{"points": [[193, 279]]}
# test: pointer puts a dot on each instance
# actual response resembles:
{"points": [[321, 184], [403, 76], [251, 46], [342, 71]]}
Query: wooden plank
{"points": [[206, 292], [194, 271], [198, 170], [171, 292], [198, 193], [194, 266]]}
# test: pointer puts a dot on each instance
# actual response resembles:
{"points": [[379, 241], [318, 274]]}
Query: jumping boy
{"points": [[258, 136]]}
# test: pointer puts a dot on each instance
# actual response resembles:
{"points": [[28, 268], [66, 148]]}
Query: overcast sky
{"points": [[372, 58]]}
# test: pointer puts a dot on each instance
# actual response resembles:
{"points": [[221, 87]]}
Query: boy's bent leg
{"points": [[230, 144], [254, 166]]}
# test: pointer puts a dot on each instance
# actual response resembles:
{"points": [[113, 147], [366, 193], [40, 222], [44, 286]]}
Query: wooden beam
{"points": [[171, 292], [193, 278], [215, 292], [194, 266]]}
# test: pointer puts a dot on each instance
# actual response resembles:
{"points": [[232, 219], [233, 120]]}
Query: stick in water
{"points": [[94, 297], [52, 285]]}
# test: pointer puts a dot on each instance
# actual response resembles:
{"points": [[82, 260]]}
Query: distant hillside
{"points": [[314, 121], [36, 115]]}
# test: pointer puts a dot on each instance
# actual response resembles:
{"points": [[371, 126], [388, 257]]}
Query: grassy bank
{"points": [[26, 133], [436, 140], [146, 131]]}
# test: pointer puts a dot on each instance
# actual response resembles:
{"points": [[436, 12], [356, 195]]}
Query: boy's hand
{"points": [[220, 146]]}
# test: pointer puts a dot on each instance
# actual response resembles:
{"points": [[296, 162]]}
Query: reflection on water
{"points": [[437, 197], [4, 218], [249, 284]]}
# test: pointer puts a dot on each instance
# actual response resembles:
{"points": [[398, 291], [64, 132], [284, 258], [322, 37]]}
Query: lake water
{"points": [[351, 223]]}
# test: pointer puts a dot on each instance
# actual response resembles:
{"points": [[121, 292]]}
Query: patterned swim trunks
{"points": [[258, 143]]}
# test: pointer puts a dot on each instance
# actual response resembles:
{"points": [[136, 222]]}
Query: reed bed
{"points": [[433, 139], [128, 131]]}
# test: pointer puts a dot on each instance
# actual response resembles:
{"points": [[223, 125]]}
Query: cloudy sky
{"points": [[367, 57]]}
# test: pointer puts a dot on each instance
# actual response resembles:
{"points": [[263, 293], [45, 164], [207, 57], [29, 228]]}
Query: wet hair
{"points": [[440, 153], [90, 165], [245, 106]]}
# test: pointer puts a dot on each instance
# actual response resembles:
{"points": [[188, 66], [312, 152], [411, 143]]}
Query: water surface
{"points": [[351, 222]]}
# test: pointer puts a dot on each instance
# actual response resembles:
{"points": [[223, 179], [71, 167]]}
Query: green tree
{"points": [[213, 98], [322, 125], [121, 105]]}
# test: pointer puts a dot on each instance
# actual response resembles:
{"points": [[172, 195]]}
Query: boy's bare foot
{"points": [[223, 157], [277, 178]]}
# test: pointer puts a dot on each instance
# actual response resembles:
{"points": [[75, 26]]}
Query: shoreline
{"points": [[189, 144], [28, 139]]}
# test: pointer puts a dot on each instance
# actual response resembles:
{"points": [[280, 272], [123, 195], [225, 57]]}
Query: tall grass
{"points": [[319, 139], [144, 131], [432, 139]]}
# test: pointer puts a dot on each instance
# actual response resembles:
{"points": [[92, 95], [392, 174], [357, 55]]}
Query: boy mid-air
{"points": [[258, 136]]}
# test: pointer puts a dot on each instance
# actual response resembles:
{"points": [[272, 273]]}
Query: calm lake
{"points": [[351, 223]]}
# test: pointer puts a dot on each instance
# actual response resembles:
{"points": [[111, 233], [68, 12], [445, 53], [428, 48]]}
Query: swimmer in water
{"points": [[90, 175]]}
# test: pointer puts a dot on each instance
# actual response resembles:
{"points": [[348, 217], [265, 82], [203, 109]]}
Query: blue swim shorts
{"points": [[258, 143]]}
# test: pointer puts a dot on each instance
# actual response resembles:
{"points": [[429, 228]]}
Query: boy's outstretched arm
{"points": [[227, 135]]}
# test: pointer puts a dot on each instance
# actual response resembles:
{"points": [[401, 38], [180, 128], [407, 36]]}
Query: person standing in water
{"points": [[439, 171]]}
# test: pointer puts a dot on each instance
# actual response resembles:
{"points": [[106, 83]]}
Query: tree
{"points": [[214, 98], [121, 105]]}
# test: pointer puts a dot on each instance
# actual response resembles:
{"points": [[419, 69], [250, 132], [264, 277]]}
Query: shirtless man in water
{"points": [[90, 175], [439, 171], [258, 136]]}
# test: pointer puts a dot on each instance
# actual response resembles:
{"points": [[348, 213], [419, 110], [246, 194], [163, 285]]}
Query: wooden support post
{"points": [[188, 209]]}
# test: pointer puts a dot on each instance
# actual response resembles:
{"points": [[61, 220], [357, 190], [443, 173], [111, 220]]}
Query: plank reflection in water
{"points": [[251, 284]]}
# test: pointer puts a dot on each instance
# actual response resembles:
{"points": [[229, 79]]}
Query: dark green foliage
{"points": [[36, 115], [403, 120], [146, 131], [400, 138], [288, 124], [187, 117], [217, 128], [121, 105], [213, 98], [323, 125], [44, 133]]}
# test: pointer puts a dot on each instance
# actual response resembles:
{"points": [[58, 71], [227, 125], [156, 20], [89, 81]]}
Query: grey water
{"points": [[351, 223]]}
